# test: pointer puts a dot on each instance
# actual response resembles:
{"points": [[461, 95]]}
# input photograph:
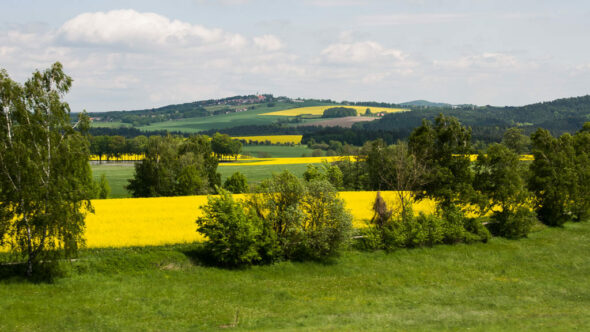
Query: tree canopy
{"points": [[45, 178]]}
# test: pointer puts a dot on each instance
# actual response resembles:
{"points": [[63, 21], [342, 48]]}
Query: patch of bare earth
{"points": [[345, 122]]}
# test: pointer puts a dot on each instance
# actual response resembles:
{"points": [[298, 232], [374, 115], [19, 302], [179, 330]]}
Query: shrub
{"points": [[368, 238], [308, 219], [454, 225], [390, 230], [101, 188], [237, 183], [317, 153], [326, 224], [411, 231], [234, 234], [337, 112], [476, 230], [511, 224]]}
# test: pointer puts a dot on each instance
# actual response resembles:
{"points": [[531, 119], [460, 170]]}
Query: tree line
{"points": [[495, 195], [115, 146]]}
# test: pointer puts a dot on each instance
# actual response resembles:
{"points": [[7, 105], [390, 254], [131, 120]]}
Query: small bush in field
{"points": [[234, 234], [236, 183], [513, 224], [390, 229], [308, 218]]}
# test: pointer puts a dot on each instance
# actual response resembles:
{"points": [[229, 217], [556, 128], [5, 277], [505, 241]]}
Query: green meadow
{"points": [[535, 284]]}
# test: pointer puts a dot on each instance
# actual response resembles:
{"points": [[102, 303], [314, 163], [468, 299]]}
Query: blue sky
{"points": [[143, 54]]}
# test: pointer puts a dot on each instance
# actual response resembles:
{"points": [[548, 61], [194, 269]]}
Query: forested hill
{"points": [[424, 103], [561, 115]]}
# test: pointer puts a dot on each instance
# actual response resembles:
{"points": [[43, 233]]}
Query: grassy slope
{"points": [[539, 283], [192, 125], [99, 124]]}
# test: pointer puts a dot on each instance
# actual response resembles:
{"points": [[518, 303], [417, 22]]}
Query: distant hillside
{"points": [[424, 103], [241, 115], [195, 109], [559, 116]]}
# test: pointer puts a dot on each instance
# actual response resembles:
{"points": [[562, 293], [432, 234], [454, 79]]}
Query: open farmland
{"points": [[276, 151], [132, 222], [171, 220], [197, 124], [118, 174], [344, 122], [274, 139], [534, 284], [319, 110]]}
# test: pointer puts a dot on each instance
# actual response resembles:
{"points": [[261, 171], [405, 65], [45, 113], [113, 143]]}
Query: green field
{"points": [[114, 124], [277, 151], [118, 174], [193, 125], [197, 124], [535, 284]]}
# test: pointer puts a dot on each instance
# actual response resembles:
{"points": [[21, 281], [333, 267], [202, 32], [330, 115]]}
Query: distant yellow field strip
{"points": [[523, 157], [169, 220], [123, 157], [319, 110], [281, 161], [274, 139]]}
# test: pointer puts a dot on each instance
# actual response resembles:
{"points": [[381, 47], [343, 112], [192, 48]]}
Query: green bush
{"points": [[412, 232], [327, 225], [234, 234], [368, 238], [308, 219], [476, 230], [513, 224], [389, 230], [236, 183]]}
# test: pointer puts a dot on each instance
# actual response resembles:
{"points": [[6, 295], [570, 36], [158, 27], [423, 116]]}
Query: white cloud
{"points": [[129, 28], [407, 18], [494, 61], [360, 52], [335, 3], [268, 43]]}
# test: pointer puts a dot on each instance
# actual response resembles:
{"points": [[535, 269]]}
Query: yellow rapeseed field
{"points": [[123, 157], [319, 110], [168, 220], [274, 139], [282, 161]]}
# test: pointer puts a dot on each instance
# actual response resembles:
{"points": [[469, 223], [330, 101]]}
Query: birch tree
{"points": [[45, 178]]}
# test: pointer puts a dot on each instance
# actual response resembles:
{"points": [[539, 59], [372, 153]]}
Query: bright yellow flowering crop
{"points": [[168, 220], [283, 161], [319, 110], [123, 157], [155, 221], [274, 139]]}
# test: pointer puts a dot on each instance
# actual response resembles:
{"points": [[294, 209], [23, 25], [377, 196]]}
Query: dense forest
{"points": [[558, 116]]}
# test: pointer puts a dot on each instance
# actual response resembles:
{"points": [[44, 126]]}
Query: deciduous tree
{"points": [[45, 178]]}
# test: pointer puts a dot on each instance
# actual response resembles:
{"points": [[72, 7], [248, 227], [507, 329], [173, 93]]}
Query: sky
{"points": [[126, 55]]}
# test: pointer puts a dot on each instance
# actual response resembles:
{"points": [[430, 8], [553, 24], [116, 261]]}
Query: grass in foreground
{"points": [[539, 283]]}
